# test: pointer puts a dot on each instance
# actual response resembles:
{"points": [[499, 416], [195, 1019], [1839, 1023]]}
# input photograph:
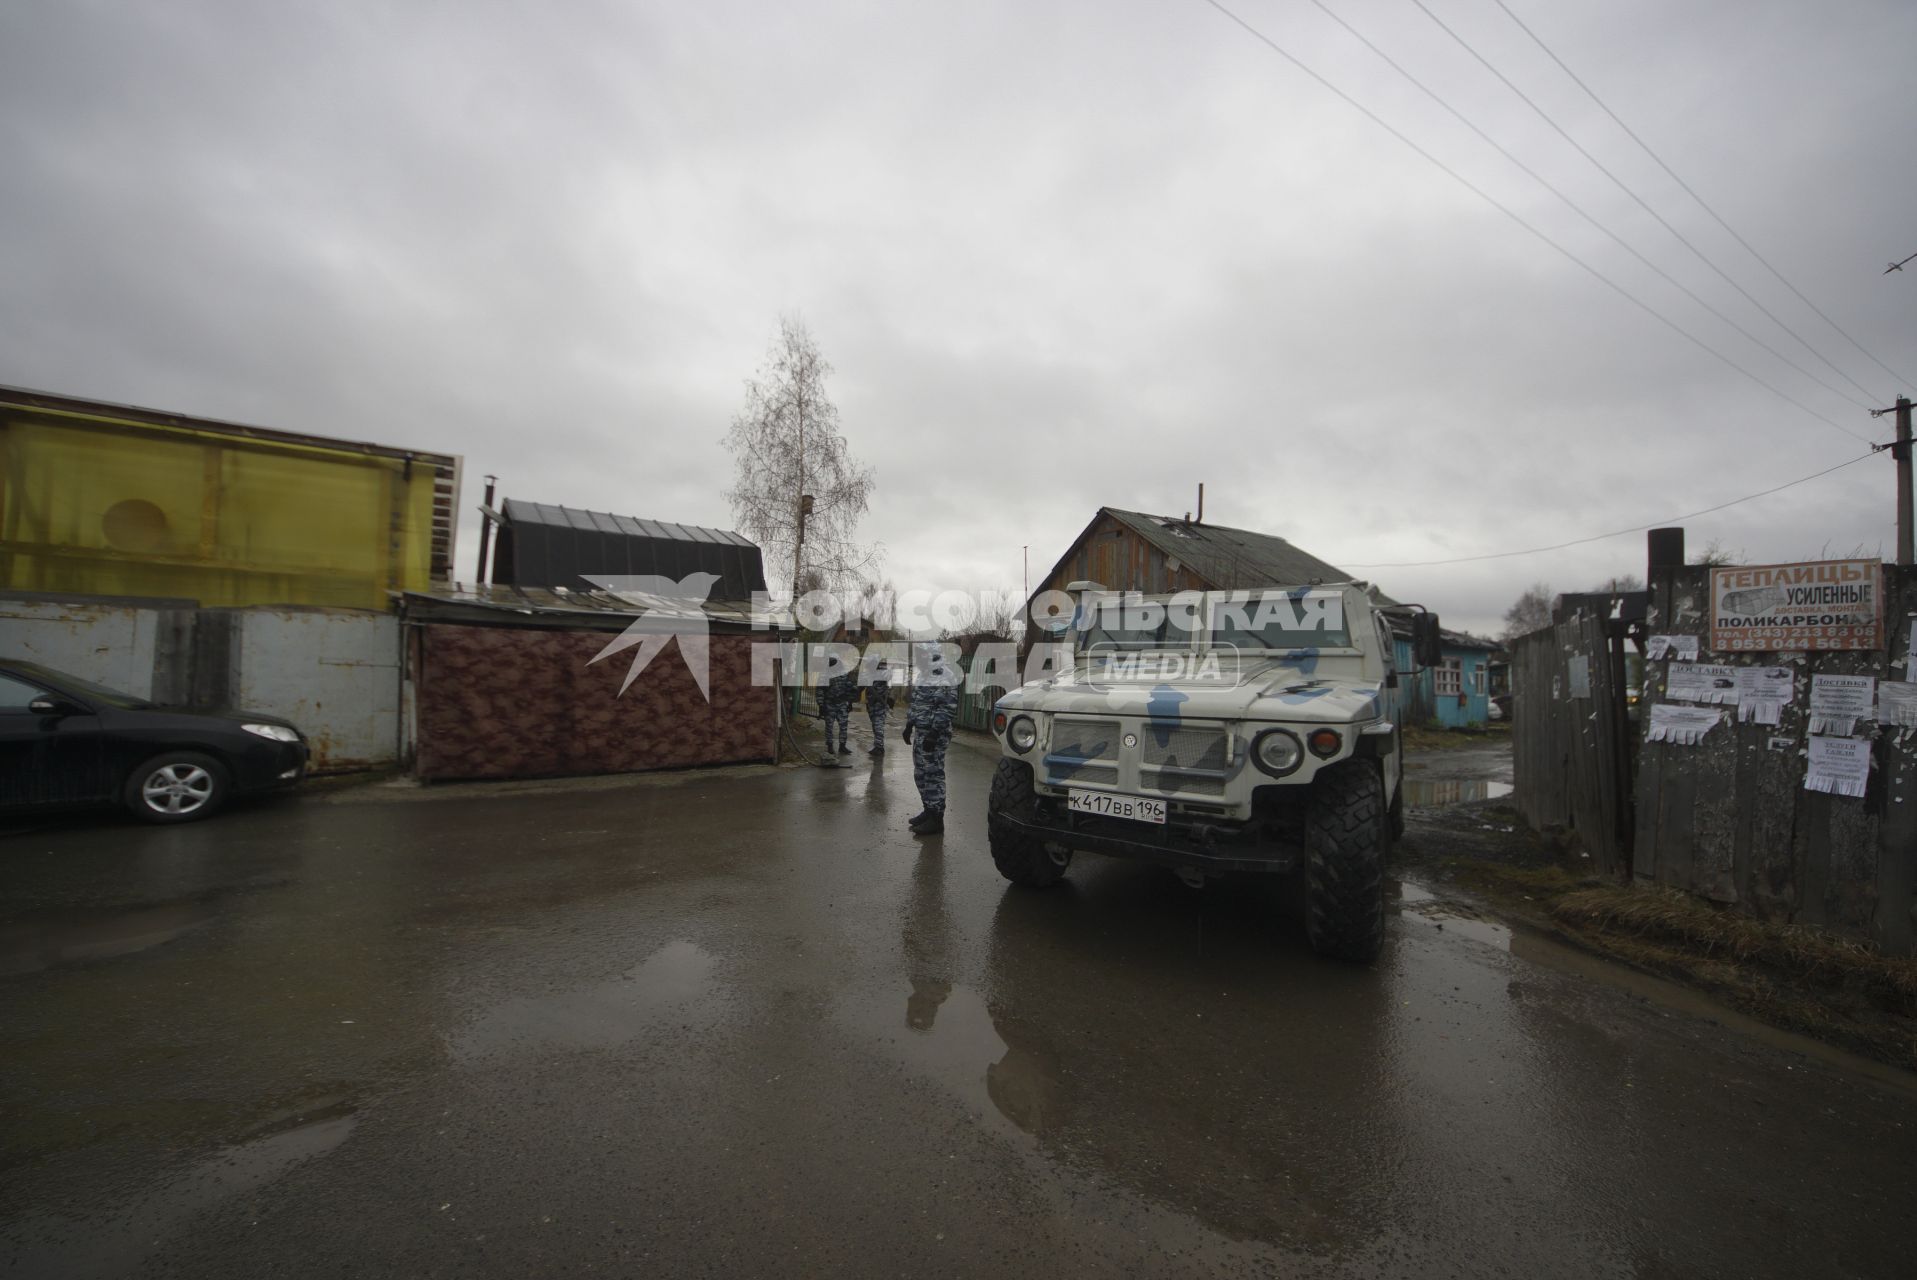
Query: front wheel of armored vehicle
{"points": [[1020, 856], [1346, 836]]}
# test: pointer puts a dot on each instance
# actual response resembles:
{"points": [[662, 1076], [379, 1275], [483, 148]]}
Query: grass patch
{"points": [[1426, 737], [1714, 933]]}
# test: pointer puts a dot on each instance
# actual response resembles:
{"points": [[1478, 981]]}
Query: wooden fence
{"points": [[1571, 740], [1730, 818]]}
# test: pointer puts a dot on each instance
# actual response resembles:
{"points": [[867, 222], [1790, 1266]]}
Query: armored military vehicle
{"points": [[1212, 733]]}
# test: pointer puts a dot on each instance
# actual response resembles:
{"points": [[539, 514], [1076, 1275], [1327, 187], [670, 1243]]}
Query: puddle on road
{"points": [[1420, 906], [114, 1239], [33, 943], [678, 979], [946, 1033], [1421, 793]]}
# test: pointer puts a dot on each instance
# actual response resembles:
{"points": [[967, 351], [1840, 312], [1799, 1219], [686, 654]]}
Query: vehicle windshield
{"points": [[1280, 621], [1131, 622], [74, 684]]}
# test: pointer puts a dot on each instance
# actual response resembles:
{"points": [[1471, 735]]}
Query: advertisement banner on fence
{"points": [[1823, 604]]}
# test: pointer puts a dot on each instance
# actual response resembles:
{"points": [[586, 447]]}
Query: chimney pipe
{"points": [[1201, 503], [485, 534]]}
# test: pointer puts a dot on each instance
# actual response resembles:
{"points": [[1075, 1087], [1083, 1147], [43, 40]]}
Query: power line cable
{"points": [[1618, 533], [1645, 205], [1578, 209], [1491, 200], [1701, 203]]}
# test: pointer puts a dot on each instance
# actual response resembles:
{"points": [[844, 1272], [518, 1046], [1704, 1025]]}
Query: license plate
{"points": [[1106, 805]]}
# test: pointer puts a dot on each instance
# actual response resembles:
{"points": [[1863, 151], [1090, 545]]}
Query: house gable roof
{"points": [[1228, 558]]}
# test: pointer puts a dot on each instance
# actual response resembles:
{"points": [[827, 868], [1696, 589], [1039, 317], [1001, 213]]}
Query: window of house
{"points": [[1450, 677], [1477, 680]]}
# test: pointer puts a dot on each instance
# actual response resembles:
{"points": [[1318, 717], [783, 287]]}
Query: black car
{"points": [[65, 741]]}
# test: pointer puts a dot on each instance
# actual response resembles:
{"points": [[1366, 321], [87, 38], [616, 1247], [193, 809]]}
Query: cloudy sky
{"points": [[1061, 256]]}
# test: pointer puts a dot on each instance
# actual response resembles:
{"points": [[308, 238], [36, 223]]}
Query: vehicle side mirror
{"points": [[1427, 641], [47, 705]]}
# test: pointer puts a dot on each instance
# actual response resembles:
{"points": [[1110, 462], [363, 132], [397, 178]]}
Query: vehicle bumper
{"points": [[271, 766], [1203, 846]]}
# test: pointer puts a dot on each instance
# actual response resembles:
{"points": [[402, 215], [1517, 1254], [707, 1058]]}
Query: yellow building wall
{"points": [[101, 507]]}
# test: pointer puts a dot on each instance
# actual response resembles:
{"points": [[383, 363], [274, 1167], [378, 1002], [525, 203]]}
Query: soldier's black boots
{"points": [[844, 750], [929, 823], [877, 751]]}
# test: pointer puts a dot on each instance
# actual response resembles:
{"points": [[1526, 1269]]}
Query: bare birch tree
{"points": [[1532, 612], [787, 447]]}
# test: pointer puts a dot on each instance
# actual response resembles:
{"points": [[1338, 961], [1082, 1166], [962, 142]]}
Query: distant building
{"points": [[107, 500], [1456, 693], [564, 548], [208, 564], [503, 678], [1134, 551]]}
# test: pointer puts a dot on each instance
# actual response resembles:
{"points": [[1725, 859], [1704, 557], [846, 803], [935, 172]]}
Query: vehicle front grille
{"points": [[1190, 784], [1085, 739], [1062, 773], [1183, 748]]}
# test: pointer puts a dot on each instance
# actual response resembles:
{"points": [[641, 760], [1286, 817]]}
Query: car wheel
{"points": [[1346, 834], [180, 786], [1020, 856]]}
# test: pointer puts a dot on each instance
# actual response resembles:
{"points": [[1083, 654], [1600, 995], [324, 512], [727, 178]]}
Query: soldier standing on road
{"points": [[835, 708], [928, 727], [878, 701]]}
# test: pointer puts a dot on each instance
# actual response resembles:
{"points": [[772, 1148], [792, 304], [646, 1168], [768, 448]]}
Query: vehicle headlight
{"points": [[1022, 734], [1277, 752], [277, 732]]}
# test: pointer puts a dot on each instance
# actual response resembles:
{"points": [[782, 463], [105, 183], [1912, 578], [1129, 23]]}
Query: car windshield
{"points": [[1280, 621], [74, 684], [1130, 622]]}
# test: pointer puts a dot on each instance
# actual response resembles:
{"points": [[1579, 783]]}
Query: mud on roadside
{"points": [[1791, 977]]}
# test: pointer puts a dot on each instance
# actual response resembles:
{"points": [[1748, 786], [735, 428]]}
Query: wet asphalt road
{"points": [[741, 1023]]}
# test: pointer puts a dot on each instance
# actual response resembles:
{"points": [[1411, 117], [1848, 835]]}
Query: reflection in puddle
{"points": [[120, 1237], [33, 943], [1420, 792], [948, 1035], [676, 979]]}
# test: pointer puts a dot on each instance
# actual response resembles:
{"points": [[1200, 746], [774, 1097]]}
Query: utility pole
{"points": [[1901, 453]]}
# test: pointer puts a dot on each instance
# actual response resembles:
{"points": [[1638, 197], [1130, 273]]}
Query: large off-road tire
{"points": [[1346, 836], [180, 786], [1020, 856]]}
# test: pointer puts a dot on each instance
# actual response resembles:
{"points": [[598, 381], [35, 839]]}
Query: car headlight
{"points": [[1277, 752], [1022, 734], [277, 732]]}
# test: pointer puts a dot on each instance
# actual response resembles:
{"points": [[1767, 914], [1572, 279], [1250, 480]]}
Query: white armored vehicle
{"points": [[1212, 732]]}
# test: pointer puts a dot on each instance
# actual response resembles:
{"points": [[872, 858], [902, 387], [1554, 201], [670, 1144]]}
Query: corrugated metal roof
{"points": [[520, 511], [546, 546], [1230, 558], [593, 608]]}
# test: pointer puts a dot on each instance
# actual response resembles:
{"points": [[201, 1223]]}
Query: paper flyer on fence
{"points": [[1762, 693], [1701, 682], [1897, 707], [1682, 648], [1684, 726], [1837, 703], [1838, 766]]}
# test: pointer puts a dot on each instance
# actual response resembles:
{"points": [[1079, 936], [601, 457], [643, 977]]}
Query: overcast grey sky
{"points": [[1062, 256]]}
